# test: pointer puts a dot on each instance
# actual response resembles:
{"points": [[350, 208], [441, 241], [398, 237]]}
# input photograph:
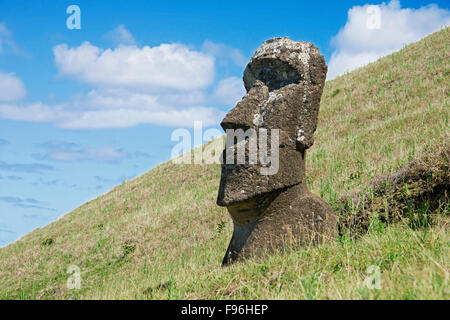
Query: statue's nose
{"points": [[236, 119], [243, 115]]}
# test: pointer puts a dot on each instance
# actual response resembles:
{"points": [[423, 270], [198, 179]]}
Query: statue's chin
{"points": [[237, 185], [232, 194], [240, 183]]}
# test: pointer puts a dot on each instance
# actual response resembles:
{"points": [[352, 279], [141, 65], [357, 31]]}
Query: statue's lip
{"points": [[222, 202], [226, 203]]}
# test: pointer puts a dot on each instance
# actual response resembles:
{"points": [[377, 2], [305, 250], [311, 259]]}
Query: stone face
{"points": [[284, 81]]}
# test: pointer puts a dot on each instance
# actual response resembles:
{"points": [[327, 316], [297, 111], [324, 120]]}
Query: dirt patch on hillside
{"points": [[415, 194]]}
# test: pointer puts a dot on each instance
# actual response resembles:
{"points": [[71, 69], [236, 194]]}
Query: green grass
{"points": [[161, 235]]}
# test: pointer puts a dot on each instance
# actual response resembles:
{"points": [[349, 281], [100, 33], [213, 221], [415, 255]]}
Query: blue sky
{"points": [[82, 110]]}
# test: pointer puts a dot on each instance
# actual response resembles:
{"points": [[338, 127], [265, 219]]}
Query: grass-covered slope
{"points": [[161, 235]]}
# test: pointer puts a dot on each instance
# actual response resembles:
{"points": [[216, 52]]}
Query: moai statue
{"points": [[263, 184]]}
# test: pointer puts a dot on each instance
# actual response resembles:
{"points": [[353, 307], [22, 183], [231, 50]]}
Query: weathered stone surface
{"points": [[284, 81]]}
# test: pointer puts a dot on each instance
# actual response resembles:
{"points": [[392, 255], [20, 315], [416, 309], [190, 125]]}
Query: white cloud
{"points": [[32, 112], [121, 108], [7, 43], [165, 85], [224, 53], [167, 66], [101, 109], [123, 118], [11, 87], [373, 31], [229, 91], [5, 36], [116, 98], [92, 154], [121, 36], [162, 85], [69, 151]]}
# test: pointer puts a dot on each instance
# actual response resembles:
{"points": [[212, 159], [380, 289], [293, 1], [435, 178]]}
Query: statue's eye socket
{"points": [[274, 73]]}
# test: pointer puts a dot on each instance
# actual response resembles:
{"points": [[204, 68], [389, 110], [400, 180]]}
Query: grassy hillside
{"points": [[162, 236]]}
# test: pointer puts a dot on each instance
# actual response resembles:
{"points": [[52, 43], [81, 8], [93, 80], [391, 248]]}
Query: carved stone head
{"points": [[284, 81]]}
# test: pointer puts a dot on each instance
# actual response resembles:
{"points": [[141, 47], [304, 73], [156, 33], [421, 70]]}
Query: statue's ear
{"points": [[305, 131], [308, 117]]}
